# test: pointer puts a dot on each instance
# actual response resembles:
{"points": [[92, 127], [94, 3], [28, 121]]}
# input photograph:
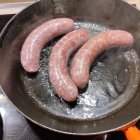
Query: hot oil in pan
{"points": [[113, 82]]}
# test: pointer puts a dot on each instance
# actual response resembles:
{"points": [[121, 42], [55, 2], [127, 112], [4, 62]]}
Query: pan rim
{"points": [[44, 126]]}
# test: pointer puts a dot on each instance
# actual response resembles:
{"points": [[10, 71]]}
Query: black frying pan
{"points": [[117, 103]]}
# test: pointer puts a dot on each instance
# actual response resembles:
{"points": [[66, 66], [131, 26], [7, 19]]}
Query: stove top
{"points": [[14, 126]]}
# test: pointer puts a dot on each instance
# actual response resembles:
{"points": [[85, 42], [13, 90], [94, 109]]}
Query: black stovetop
{"points": [[13, 125]]}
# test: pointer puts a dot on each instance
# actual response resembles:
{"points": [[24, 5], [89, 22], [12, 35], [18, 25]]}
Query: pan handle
{"points": [[132, 133]]}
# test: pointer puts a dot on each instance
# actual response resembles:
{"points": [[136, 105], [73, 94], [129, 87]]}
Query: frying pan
{"points": [[33, 95]]}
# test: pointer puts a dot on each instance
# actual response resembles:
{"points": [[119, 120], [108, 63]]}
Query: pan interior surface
{"points": [[110, 86]]}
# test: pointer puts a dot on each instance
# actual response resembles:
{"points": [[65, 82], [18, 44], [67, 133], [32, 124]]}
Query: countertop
{"points": [[14, 6], [137, 2]]}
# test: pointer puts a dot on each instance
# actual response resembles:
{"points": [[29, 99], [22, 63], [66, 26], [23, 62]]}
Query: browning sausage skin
{"points": [[58, 73], [36, 40], [90, 50]]}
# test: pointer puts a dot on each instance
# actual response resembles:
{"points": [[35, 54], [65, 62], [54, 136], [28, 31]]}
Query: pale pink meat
{"points": [[90, 50], [36, 40], [58, 71]]}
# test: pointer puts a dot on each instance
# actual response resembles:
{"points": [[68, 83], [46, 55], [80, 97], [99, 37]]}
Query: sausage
{"points": [[34, 43], [82, 60], [58, 73]]}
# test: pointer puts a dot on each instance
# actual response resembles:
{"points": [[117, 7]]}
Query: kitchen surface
{"points": [[13, 126], [14, 1], [13, 6]]}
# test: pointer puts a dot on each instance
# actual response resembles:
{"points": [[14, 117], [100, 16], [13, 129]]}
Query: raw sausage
{"points": [[34, 43], [90, 50], [58, 72]]}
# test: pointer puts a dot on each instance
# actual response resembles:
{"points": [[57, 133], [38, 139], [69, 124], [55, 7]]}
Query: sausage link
{"points": [[34, 43], [90, 50], [58, 73]]}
